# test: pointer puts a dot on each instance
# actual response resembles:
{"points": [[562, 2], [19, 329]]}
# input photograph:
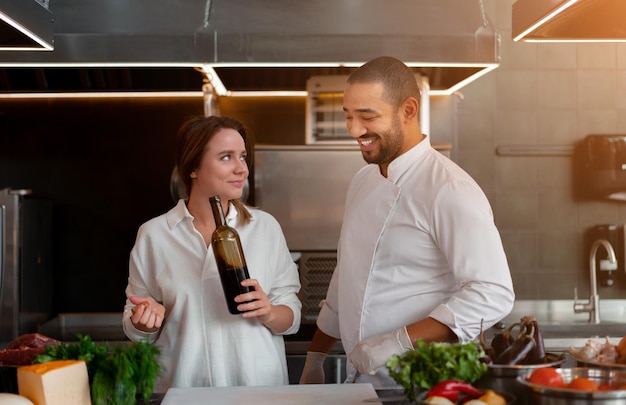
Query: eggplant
{"points": [[538, 354], [516, 353]]}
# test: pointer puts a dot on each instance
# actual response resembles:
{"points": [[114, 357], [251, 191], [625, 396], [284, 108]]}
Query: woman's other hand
{"points": [[147, 314]]}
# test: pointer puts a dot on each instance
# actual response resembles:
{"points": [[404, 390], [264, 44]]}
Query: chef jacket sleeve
{"points": [[466, 234]]}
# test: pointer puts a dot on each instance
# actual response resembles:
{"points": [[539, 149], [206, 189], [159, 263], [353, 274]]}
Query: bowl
{"points": [[421, 398], [500, 377], [542, 395]]}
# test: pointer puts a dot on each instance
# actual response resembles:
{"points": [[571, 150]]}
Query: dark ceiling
{"points": [[19, 80], [154, 79]]}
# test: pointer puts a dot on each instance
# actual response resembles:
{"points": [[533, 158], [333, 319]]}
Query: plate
{"points": [[594, 364]]}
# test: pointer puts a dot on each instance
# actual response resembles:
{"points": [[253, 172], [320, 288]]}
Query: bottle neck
{"points": [[218, 212]]}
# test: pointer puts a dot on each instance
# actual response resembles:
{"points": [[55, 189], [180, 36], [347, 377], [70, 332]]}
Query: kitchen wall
{"points": [[106, 163], [543, 94]]}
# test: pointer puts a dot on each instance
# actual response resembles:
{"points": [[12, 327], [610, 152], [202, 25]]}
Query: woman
{"points": [[174, 294]]}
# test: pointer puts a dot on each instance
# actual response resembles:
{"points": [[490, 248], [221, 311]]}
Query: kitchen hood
{"points": [[25, 25], [569, 20], [451, 41]]}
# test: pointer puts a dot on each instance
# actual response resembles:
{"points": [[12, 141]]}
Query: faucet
{"points": [[593, 306]]}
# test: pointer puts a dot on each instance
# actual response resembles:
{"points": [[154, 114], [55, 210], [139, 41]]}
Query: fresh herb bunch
{"points": [[116, 373], [431, 363]]}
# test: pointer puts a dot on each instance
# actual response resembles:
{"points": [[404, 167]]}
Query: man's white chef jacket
{"points": [[420, 243]]}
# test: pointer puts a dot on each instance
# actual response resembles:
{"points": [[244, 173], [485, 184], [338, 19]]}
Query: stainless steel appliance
{"points": [[304, 188], [325, 118], [26, 284]]}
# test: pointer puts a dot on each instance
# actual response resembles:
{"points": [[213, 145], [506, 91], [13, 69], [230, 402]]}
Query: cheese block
{"points": [[59, 382]]}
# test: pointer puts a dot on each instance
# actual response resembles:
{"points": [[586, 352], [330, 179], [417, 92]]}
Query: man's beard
{"points": [[389, 145]]}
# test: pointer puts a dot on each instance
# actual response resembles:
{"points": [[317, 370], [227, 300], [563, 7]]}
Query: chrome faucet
{"points": [[593, 306]]}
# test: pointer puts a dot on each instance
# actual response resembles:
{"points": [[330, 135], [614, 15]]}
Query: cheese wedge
{"points": [[59, 382]]}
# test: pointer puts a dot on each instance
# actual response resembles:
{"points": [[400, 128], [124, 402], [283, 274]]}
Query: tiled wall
{"points": [[543, 94]]}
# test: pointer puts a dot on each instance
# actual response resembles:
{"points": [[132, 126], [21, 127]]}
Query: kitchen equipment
{"points": [[500, 377], [542, 395], [600, 161], [327, 394], [26, 283], [325, 119], [451, 41], [304, 188]]}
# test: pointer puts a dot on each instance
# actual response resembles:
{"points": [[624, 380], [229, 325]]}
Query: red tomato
{"points": [[605, 387], [547, 376], [583, 384]]}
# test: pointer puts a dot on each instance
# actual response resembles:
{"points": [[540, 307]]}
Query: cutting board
{"points": [[339, 394]]}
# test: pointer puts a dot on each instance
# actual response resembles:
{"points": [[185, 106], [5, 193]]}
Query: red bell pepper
{"points": [[452, 388]]}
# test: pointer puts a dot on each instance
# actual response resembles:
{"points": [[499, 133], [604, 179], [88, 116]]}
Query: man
{"points": [[419, 256]]}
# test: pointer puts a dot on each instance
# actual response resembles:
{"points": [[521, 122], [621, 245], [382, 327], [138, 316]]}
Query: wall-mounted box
{"points": [[600, 167]]}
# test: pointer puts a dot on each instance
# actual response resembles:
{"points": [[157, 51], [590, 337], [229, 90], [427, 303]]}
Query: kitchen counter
{"points": [[328, 394]]}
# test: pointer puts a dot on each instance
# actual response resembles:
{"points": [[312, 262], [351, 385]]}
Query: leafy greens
{"points": [[116, 373], [430, 363]]}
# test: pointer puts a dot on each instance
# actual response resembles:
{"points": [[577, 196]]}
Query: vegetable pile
{"points": [[117, 374], [510, 348], [434, 362], [452, 392], [598, 351]]}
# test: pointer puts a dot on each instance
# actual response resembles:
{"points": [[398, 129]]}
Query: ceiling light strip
{"points": [[576, 40], [149, 94], [215, 80], [104, 94], [464, 82], [545, 19]]}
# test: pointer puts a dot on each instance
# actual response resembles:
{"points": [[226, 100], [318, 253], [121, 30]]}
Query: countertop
{"points": [[327, 394]]}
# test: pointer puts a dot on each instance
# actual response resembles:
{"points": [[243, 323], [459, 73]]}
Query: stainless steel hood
{"points": [[569, 20], [25, 25], [447, 40]]}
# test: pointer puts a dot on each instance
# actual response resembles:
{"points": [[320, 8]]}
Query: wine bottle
{"points": [[231, 262]]}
